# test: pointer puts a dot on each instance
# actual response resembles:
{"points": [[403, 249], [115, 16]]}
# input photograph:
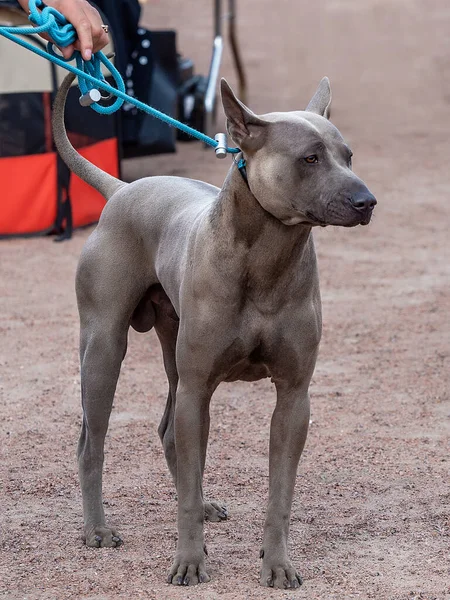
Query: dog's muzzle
{"points": [[364, 202]]}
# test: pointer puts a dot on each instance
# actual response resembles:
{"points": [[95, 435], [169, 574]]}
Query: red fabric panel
{"points": [[87, 203], [28, 193]]}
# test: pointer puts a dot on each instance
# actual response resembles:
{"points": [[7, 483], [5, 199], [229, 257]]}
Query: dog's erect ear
{"points": [[321, 101], [243, 125]]}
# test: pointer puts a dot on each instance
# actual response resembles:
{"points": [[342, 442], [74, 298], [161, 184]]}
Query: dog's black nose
{"points": [[363, 200]]}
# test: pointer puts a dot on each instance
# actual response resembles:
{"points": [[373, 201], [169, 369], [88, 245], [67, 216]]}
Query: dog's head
{"points": [[299, 168]]}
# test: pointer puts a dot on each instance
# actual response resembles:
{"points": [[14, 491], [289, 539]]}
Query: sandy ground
{"points": [[371, 512]]}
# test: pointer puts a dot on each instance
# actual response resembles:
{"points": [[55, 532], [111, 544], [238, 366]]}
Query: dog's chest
{"points": [[251, 367], [247, 371], [272, 345]]}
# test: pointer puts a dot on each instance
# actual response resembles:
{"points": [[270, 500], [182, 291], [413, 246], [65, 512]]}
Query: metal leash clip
{"points": [[221, 148], [90, 97]]}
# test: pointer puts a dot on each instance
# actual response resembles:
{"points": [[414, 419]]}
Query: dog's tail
{"points": [[106, 184]]}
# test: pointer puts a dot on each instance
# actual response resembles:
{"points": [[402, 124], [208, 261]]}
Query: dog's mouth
{"points": [[366, 221], [354, 219], [364, 217], [357, 220], [313, 220]]}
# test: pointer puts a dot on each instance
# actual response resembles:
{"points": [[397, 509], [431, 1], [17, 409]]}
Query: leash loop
{"points": [[54, 23], [93, 68]]}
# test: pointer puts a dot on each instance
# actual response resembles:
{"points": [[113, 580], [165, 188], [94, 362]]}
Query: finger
{"points": [[99, 36], [75, 14], [84, 32], [98, 42]]}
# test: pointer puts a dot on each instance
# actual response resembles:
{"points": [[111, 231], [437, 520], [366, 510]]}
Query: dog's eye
{"points": [[349, 160], [312, 159]]}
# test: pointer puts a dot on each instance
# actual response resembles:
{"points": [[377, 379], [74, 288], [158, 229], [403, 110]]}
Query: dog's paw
{"points": [[187, 571], [215, 512], [102, 537], [279, 574]]}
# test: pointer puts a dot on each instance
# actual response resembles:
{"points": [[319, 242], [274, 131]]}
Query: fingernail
{"points": [[87, 54]]}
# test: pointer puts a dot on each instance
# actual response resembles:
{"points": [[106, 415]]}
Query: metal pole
{"points": [[218, 18], [210, 94], [235, 51]]}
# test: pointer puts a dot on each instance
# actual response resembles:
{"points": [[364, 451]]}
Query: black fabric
{"points": [[63, 224], [123, 17], [152, 77], [22, 124], [149, 65]]}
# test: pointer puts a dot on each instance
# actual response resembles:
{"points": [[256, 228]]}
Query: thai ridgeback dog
{"points": [[228, 278]]}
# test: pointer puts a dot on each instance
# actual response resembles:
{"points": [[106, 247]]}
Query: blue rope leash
{"points": [[50, 21]]}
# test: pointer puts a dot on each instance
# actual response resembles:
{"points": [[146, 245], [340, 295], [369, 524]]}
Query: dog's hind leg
{"points": [[102, 353], [107, 293]]}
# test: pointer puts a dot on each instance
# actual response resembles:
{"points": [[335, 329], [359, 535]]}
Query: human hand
{"points": [[86, 21]]}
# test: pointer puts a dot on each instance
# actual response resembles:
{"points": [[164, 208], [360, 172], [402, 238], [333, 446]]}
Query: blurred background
{"points": [[388, 62]]}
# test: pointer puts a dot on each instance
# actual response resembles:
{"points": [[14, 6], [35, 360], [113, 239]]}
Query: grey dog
{"points": [[228, 278]]}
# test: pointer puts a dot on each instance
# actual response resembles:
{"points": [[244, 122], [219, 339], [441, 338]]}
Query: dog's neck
{"points": [[269, 248], [240, 214]]}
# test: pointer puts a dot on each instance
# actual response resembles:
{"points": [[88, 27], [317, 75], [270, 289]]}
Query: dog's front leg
{"points": [[288, 432], [191, 437]]}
